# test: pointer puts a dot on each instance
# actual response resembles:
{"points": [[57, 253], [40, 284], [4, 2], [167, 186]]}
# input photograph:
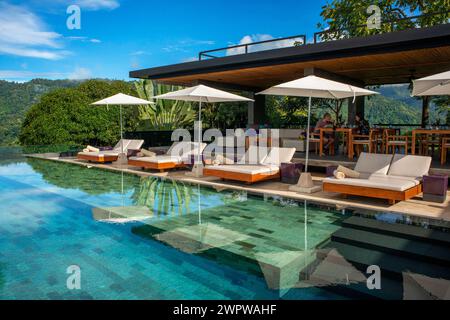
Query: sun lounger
{"points": [[111, 155], [178, 155], [264, 167], [395, 178]]}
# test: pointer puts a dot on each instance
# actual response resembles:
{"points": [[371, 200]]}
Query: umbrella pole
{"points": [[307, 134], [121, 130], [199, 131]]}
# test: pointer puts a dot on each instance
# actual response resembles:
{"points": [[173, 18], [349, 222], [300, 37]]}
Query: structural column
{"points": [[425, 111], [257, 110], [354, 108]]}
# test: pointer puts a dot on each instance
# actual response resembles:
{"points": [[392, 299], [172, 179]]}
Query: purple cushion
{"points": [[330, 171]]}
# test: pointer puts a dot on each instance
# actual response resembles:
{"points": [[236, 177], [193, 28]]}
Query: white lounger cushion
{"points": [[160, 159], [379, 182], [101, 153], [277, 156], [373, 163], [247, 168], [410, 166]]}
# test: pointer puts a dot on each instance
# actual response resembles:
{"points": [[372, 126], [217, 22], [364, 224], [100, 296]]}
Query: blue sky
{"points": [[117, 36]]}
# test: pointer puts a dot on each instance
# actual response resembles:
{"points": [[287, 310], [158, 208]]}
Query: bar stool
{"points": [[445, 145], [396, 141], [429, 141], [361, 140], [314, 139]]}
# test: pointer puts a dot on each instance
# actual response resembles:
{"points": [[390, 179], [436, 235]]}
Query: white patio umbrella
{"points": [[316, 87], [121, 99], [200, 94], [435, 85]]}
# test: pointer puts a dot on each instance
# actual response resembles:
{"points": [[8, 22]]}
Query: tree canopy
{"points": [[65, 116], [345, 17]]}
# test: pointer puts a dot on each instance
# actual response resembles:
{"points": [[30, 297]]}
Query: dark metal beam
{"points": [[333, 76], [399, 41]]}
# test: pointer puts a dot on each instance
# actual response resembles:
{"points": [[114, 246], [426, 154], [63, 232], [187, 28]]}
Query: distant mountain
{"points": [[16, 98], [395, 105], [385, 110]]}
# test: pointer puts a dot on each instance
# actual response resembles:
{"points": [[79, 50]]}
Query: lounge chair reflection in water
{"points": [[123, 214]]}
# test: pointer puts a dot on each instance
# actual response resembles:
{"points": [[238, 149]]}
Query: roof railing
{"points": [[412, 22], [246, 47]]}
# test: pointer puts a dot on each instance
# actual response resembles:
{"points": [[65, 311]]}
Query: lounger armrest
{"points": [[106, 148]]}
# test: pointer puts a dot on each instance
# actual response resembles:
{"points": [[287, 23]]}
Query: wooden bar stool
{"points": [[396, 142], [445, 145], [361, 140]]}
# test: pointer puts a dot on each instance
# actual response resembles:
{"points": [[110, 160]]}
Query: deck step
{"points": [[391, 265], [391, 287], [393, 245], [400, 230]]}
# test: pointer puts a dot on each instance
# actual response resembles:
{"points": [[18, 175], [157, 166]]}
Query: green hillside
{"points": [[383, 110], [17, 98], [393, 105]]}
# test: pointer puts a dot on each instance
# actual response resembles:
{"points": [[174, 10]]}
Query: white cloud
{"points": [[185, 45], [263, 46], [84, 39], [190, 59], [138, 53], [22, 33], [97, 4], [21, 74], [80, 74], [24, 75]]}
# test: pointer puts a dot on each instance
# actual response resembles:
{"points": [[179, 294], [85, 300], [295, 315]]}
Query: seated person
{"points": [[328, 137], [362, 125]]}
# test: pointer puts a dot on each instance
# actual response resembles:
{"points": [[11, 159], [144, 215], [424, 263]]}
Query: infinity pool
{"points": [[146, 238]]}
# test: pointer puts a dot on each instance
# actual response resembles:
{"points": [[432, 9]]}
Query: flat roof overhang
{"points": [[388, 58]]}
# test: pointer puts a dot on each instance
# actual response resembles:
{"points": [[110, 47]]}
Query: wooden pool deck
{"points": [[420, 211]]}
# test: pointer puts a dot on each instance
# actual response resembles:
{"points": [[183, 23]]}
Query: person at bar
{"points": [[362, 125]]}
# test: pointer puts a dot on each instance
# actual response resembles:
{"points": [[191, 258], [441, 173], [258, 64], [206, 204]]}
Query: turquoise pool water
{"points": [[47, 224], [146, 238]]}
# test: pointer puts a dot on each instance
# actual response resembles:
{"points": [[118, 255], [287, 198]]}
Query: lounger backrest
{"points": [[185, 148], [194, 149], [118, 146], [135, 144], [254, 155], [373, 163], [409, 166], [277, 156], [227, 141]]}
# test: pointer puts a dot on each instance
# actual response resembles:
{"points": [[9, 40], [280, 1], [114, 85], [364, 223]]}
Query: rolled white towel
{"points": [[86, 150], [92, 149], [147, 153], [348, 172], [339, 175]]}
